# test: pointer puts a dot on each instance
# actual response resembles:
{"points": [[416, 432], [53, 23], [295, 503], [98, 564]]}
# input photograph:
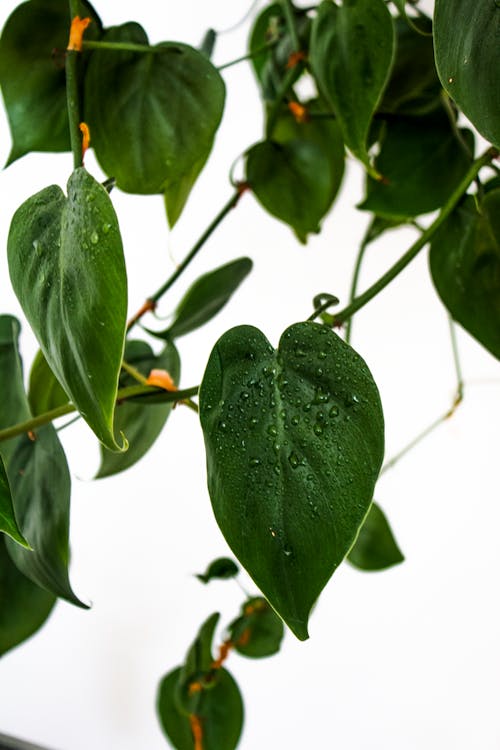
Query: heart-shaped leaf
{"points": [[45, 392], [352, 47], [258, 632], [221, 568], [466, 43], [24, 606], [67, 268], [32, 73], [219, 717], [465, 267], [294, 441], [428, 149], [173, 96], [8, 523], [141, 424], [292, 181], [375, 547]]}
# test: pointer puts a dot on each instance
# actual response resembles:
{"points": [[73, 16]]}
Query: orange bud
{"points": [[298, 111], [162, 379], [84, 130], [78, 26], [295, 58]]}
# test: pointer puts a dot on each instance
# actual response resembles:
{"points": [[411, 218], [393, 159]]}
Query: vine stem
{"points": [[359, 302], [124, 394], [151, 302], [355, 280], [290, 20], [72, 97]]}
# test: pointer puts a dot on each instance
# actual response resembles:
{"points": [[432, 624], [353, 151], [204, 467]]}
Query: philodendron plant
{"points": [[294, 436]]}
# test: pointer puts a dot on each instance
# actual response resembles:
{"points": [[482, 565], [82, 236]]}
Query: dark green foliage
{"points": [[258, 631], [375, 547], [222, 567]]}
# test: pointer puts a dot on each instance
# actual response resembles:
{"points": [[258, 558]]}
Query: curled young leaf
{"points": [[294, 441]]}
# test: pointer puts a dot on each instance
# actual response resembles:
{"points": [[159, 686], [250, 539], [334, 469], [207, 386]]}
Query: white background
{"points": [[402, 660]]}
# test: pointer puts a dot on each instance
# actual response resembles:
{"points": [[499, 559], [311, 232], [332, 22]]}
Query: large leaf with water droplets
{"points": [[32, 73], [219, 713], [351, 53], [156, 131], [375, 547], [465, 268], [24, 606], [294, 441], [141, 424], [468, 59], [67, 268]]}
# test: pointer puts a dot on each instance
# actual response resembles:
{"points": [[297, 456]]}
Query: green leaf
{"points": [[41, 487], [466, 43], [67, 268], [465, 267], [351, 53], [45, 392], [173, 96], [413, 87], [32, 74], [375, 548], [294, 441], [220, 714], [205, 298], [222, 567], [197, 667], [140, 424], [426, 148], [292, 181], [8, 523], [258, 632], [13, 404], [24, 606]]}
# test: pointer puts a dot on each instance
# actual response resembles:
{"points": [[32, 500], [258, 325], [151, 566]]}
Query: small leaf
{"points": [[352, 47], [292, 182], [222, 567], [32, 74], [465, 267], [197, 667], [173, 96], [140, 424], [466, 43], [24, 606], [8, 523], [67, 268], [375, 547], [205, 298], [41, 487], [294, 441], [220, 714], [45, 392], [258, 632], [428, 149]]}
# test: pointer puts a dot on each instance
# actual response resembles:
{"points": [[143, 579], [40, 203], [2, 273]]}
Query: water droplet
{"points": [[254, 421], [294, 460], [254, 462], [272, 532], [106, 228], [94, 238], [223, 425], [287, 551], [450, 79], [318, 430], [277, 469], [319, 372], [321, 355], [37, 247], [295, 421], [245, 395], [334, 412], [299, 352], [272, 430]]}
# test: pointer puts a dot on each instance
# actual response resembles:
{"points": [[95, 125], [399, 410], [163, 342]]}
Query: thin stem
{"points": [[150, 303], [290, 20], [413, 251], [355, 279], [134, 373], [418, 439], [190, 404], [122, 47], [249, 56], [72, 96], [456, 361], [124, 394], [321, 303]]}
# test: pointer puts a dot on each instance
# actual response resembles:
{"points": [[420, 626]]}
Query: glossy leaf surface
{"points": [[467, 60], [351, 54], [67, 268], [375, 547], [465, 268], [24, 606], [172, 96], [13, 403], [140, 424], [41, 487], [220, 713], [258, 631], [45, 392], [292, 182], [32, 74], [8, 523], [294, 441], [221, 568], [207, 296], [427, 148]]}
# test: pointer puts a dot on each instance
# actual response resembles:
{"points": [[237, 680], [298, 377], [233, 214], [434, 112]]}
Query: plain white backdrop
{"points": [[407, 659]]}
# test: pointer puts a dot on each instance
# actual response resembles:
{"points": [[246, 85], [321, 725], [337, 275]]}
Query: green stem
{"points": [[355, 279], [413, 251], [285, 87], [134, 372], [122, 47], [124, 394], [250, 56], [150, 303], [456, 361], [290, 20], [72, 96]]}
